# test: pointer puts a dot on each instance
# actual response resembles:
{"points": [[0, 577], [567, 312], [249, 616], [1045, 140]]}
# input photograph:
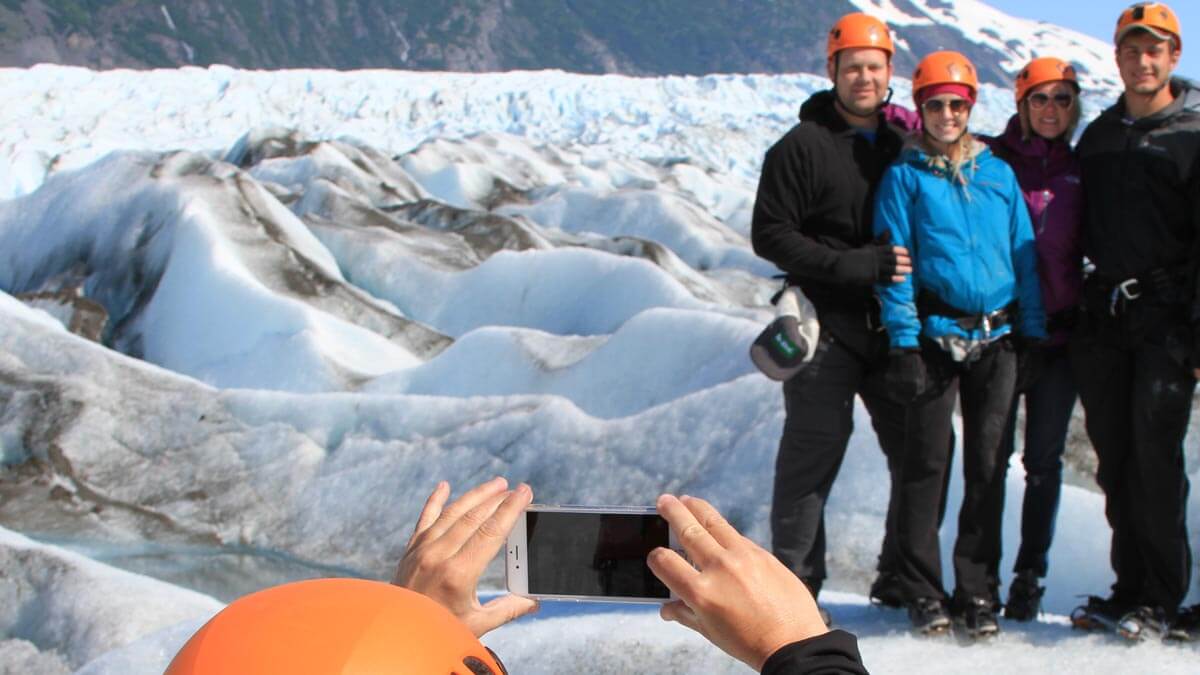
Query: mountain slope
{"points": [[633, 37]]}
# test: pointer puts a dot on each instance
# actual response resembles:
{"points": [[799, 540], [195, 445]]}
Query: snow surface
{"points": [[62, 118], [327, 291], [83, 609]]}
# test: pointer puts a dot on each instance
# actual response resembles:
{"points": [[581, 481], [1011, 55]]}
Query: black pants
{"points": [[985, 387], [819, 404], [1136, 391], [1048, 406]]}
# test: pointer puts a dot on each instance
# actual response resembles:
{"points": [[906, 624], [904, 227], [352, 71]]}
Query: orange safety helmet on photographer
{"points": [[1154, 18], [945, 68], [859, 30], [1043, 70], [345, 626]]}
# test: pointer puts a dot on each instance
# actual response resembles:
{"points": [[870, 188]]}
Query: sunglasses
{"points": [[935, 106], [1040, 100]]}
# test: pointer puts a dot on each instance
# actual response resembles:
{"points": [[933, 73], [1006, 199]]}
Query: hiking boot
{"points": [[1186, 626], [1024, 597], [1143, 623], [928, 616], [1099, 614], [978, 616], [886, 591]]}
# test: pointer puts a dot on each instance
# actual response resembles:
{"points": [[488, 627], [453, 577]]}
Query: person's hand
{"points": [[906, 376], [738, 595], [1031, 363], [903, 264], [450, 548], [876, 262]]}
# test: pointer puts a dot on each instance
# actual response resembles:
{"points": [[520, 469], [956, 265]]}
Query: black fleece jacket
{"points": [[815, 204], [1141, 183], [834, 653]]}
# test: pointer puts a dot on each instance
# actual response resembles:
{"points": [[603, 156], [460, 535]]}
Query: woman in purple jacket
{"points": [[1037, 144]]}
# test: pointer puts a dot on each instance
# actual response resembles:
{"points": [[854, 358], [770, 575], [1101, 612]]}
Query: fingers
{"points": [[500, 611], [712, 520], [679, 612], [903, 264], [433, 508], [471, 523], [699, 544], [465, 504], [485, 542], [673, 570]]}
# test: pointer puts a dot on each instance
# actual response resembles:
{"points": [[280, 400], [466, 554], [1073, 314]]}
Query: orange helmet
{"points": [[859, 30], [1043, 70], [1152, 17], [945, 68], [346, 626]]}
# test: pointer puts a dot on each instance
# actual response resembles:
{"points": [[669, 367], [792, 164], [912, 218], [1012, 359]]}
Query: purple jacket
{"points": [[1048, 172], [904, 120]]}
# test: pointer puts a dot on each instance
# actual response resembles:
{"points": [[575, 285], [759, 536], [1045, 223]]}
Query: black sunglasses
{"points": [[1039, 100], [934, 106]]}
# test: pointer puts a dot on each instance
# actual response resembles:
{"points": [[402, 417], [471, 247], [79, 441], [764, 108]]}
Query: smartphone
{"points": [[587, 553]]}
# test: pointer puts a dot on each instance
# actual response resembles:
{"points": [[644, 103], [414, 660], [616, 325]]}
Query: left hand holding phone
{"points": [[452, 545], [737, 595]]}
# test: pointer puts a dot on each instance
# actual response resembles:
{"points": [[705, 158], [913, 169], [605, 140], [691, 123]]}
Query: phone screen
{"points": [[594, 554]]}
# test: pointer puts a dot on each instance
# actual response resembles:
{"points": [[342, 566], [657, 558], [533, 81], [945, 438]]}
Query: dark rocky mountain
{"points": [[636, 37]]}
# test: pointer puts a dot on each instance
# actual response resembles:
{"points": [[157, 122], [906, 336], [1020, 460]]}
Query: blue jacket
{"points": [[971, 242]]}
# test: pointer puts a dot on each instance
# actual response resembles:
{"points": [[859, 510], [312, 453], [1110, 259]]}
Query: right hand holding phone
{"points": [[738, 595], [451, 546]]}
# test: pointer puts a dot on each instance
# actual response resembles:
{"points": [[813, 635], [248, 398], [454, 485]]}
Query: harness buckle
{"points": [[1125, 291]]}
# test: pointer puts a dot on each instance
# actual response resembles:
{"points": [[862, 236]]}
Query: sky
{"points": [[1099, 17]]}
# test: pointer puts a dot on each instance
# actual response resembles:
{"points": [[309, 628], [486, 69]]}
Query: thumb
{"points": [[500, 611]]}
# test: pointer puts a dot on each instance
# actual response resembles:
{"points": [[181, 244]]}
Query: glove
{"points": [[1031, 363], [873, 263], [905, 376]]}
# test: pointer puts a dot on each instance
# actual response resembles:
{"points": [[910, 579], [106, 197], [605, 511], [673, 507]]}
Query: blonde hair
{"points": [[1076, 112], [968, 150]]}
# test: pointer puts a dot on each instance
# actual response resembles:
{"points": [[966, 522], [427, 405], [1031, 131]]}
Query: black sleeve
{"points": [[834, 653], [1194, 266], [786, 190]]}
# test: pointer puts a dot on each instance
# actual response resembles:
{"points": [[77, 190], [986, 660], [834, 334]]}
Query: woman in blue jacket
{"points": [[952, 326]]}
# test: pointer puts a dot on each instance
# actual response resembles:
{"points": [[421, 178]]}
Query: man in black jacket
{"points": [[1135, 351], [812, 218]]}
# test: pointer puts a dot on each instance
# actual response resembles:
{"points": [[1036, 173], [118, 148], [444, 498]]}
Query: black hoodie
{"points": [[816, 200]]}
